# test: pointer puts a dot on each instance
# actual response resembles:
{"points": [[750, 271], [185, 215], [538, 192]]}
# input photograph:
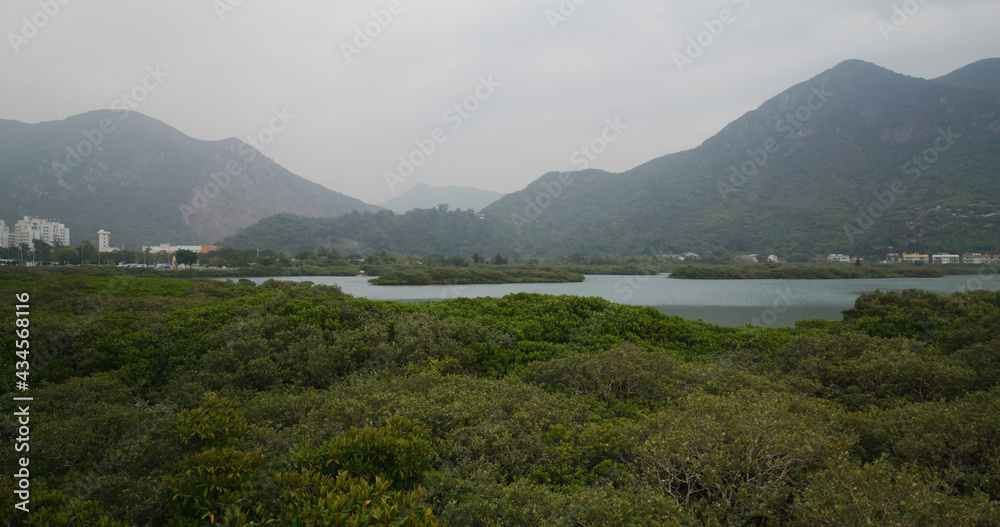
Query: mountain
{"points": [[423, 196], [146, 182], [984, 75], [857, 159], [419, 232]]}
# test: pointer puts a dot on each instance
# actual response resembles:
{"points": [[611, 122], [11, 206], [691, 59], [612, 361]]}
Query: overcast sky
{"points": [[547, 80]]}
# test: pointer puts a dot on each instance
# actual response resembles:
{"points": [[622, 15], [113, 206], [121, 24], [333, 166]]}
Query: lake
{"points": [[725, 302]]}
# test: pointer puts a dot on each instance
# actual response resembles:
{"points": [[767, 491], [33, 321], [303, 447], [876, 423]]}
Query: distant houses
{"points": [[170, 249], [917, 258]]}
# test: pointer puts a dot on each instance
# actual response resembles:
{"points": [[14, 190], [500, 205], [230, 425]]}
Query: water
{"points": [[725, 302]]}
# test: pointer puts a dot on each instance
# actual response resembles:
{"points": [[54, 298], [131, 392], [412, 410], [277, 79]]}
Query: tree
{"points": [[88, 253], [41, 251], [499, 259], [66, 255], [186, 257], [478, 259]]}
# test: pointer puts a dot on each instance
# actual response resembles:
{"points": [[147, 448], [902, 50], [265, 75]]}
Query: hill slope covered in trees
{"points": [[146, 182]]}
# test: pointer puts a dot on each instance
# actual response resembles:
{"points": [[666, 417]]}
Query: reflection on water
{"points": [[726, 302]]}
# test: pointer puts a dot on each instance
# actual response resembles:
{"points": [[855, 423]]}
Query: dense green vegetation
{"points": [[455, 276], [170, 402], [818, 271]]}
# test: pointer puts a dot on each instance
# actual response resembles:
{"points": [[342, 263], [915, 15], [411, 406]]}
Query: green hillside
{"points": [[984, 75], [421, 231], [861, 137], [834, 164]]}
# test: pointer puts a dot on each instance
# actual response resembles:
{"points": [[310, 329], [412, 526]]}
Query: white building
{"points": [[843, 258], [167, 248], [48, 231], [946, 259], [978, 259], [103, 241], [4, 235]]}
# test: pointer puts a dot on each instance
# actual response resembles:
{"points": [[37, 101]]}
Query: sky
{"points": [[484, 94]]}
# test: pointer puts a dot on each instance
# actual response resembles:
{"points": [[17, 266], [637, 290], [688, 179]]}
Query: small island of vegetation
{"points": [[464, 276]]}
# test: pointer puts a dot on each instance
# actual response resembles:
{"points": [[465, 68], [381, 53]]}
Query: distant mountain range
{"points": [[858, 159], [423, 196], [147, 182]]}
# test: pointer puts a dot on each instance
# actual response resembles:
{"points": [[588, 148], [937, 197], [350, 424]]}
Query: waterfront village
{"points": [[55, 234]]}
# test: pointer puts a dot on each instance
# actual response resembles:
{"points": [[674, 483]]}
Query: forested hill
{"points": [[421, 231], [147, 182], [858, 160], [802, 174], [984, 75], [424, 196]]}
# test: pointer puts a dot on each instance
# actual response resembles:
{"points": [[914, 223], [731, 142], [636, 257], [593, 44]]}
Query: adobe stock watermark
{"points": [[203, 196], [553, 189], [562, 13], [986, 274], [32, 26], [224, 7], [714, 29], [790, 124], [783, 301], [452, 291], [367, 32], [628, 286], [914, 168], [901, 14], [123, 105], [454, 116]]}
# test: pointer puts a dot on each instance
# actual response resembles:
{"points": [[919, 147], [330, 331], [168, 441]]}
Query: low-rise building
{"points": [[978, 259], [916, 258], [842, 258], [167, 248], [893, 258], [946, 259]]}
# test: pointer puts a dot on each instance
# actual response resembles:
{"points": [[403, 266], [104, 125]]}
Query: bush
{"points": [[399, 453], [738, 457], [879, 494]]}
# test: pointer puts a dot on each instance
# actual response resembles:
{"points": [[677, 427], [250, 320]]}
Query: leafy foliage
{"points": [[162, 402]]}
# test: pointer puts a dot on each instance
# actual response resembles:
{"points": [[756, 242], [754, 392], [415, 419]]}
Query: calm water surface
{"points": [[725, 302]]}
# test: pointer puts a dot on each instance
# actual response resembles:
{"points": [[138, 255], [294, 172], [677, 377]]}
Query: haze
{"points": [[549, 75]]}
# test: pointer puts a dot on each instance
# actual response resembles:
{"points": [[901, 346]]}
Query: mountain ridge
{"points": [[424, 196], [147, 182]]}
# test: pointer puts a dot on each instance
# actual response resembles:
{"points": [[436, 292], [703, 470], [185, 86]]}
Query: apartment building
{"points": [[48, 231]]}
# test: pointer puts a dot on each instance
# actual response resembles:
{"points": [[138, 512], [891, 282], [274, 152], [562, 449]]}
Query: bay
{"points": [[773, 303]]}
